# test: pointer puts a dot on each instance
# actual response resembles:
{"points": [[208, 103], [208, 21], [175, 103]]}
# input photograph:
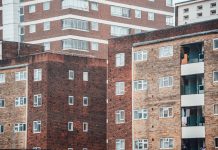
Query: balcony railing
{"points": [[193, 121]]}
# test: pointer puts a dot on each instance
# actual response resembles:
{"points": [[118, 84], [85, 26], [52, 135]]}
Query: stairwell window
{"points": [[120, 144], [2, 103], [1, 129], [140, 85], [166, 112], [120, 59], [19, 127], [37, 102], [37, 74], [120, 88], [166, 143], [2, 78], [85, 76], [165, 82], [36, 126], [215, 44], [70, 126], [76, 4], [20, 101], [141, 144], [166, 51], [215, 109], [120, 116], [140, 114], [120, 11], [71, 75], [71, 100]]}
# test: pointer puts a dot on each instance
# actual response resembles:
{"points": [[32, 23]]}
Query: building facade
{"points": [[162, 89], [51, 101], [81, 26], [195, 11]]}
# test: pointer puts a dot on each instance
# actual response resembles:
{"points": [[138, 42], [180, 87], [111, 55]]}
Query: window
{"points": [[37, 74], [1, 128], [75, 44], [141, 144], [186, 10], [32, 28], [21, 33], [75, 24], [85, 101], [120, 87], [2, 103], [138, 14], [36, 148], [2, 78], [70, 126], [47, 46], [215, 109], [140, 114], [119, 31], [169, 21], [71, 75], [215, 47], [120, 144], [212, 5], [151, 16], [216, 142], [22, 14], [215, 76], [76, 4], [46, 26], [166, 112], [20, 101], [32, 8], [166, 143], [169, 2], [94, 46], [37, 102], [199, 14], [200, 7], [165, 82], [138, 31], [85, 126], [140, 55], [19, 127], [120, 116], [120, 11], [94, 6], [140, 85], [36, 126], [20, 76], [166, 51], [46, 5], [120, 59], [85, 76], [85, 148], [213, 12], [70, 149], [71, 100], [186, 17], [94, 26]]}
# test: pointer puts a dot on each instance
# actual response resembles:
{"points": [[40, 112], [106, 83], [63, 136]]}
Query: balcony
{"points": [[192, 59], [193, 132], [193, 144], [192, 100]]}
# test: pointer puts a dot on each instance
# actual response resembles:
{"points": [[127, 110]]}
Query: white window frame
{"points": [[37, 100], [215, 105], [85, 76], [120, 116], [151, 16], [74, 44], [169, 3], [70, 149], [20, 76], [169, 20], [32, 28], [120, 141], [120, 88], [214, 48], [142, 114], [166, 109], [46, 5], [166, 140], [2, 78], [71, 100], [36, 148], [47, 46], [85, 98], [32, 8], [120, 12], [20, 101], [1, 129], [37, 126], [46, 26], [216, 146], [94, 46], [166, 82], [75, 24], [76, 4], [38, 74], [70, 126], [165, 51], [94, 6], [119, 31], [85, 148], [120, 59], [143, 143], [71, 74], [20, 127], [2, 101], [140, 83], [140, 55], [85, 126], [138, 13], [94, 26]]}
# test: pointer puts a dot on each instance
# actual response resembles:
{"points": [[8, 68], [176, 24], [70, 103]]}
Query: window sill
{"points": [[66, 49], [75, 29]]}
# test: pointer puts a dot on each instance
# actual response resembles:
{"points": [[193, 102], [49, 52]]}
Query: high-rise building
{"points": [[162, 89], [51, 101], [81, 26], [195, 11]]}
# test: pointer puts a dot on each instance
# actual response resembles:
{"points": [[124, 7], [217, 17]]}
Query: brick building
{"points": [[162, 89], [51, 101], [81, 26]]}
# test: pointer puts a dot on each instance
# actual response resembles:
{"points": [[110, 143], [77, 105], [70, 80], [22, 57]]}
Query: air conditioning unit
{"points": [[200, 89]]}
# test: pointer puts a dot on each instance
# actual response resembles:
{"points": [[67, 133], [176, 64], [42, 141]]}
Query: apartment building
{"points": [[51, 101], [162, 89], [81, 26], [191, 11]]}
